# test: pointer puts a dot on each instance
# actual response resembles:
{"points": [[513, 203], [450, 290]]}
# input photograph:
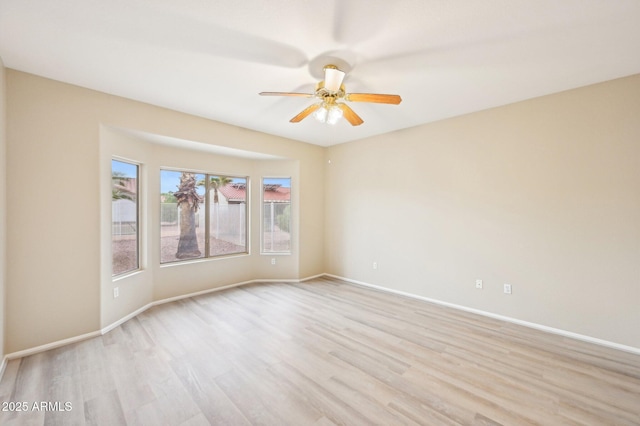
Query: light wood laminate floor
{"points": [[322, 353]]}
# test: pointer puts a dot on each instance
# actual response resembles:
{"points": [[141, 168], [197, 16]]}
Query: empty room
{"points": [[420, 212]]}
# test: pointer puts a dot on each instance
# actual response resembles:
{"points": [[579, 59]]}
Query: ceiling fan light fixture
{"points": [[331, 94], [321, 114], [334, 115], [329, 114], [333, 78]]}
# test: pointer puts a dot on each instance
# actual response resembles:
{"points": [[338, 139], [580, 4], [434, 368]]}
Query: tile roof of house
{"points": [[278, 195], [272, 193], [128, 184], [237, 192]]}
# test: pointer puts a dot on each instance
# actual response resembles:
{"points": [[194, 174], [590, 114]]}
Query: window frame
{"points": [[207, 255], [138, 262], [263, 251]]}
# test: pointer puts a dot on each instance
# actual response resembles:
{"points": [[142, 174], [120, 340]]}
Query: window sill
{"points": [[203, 260], [126, 275]]}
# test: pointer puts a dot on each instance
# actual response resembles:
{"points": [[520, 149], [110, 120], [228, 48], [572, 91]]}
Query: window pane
{"points": [[227, 215], [182, 215], [124, 217], [276, 215]]}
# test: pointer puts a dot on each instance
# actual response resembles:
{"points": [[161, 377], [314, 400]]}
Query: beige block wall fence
{"points": [[542, 194]]}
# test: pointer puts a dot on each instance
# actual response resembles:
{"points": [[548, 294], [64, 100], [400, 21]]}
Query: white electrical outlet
{"points": [[273, 260], [375, 265], [116, 292], [507, 289], [478, 283]]}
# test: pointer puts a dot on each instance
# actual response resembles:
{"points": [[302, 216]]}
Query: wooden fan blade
{"points": [[308, 110], [350, 115], [374, 97], [302, 95]]}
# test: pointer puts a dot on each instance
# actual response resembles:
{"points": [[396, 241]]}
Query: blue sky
{"points": [[129, 170], [285, 182], [170, 179]]}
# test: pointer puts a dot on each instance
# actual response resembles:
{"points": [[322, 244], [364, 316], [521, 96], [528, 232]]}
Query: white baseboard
{"points": [[313, 277], [5, 360], [59, 343], [108, 328], [540, 327], [199, 293], [124, 319], [215, 289], [52, 345]]}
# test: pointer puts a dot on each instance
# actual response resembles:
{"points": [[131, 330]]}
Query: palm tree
{"points": [[119, 189], [215, 183], [188, 203]]}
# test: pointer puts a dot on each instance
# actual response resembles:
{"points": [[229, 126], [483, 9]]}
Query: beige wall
{"points": [[155, 282], [543, 194], [3, 204], [60, 142]]}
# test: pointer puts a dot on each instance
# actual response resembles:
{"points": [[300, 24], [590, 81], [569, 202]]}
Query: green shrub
{"points": [[284, 219]]}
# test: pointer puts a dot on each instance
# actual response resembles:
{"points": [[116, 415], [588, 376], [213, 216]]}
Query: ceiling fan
{"points": [[331, 95]]}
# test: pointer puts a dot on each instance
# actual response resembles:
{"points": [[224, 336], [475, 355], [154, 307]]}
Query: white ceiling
{"points": [[211, 58]]}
